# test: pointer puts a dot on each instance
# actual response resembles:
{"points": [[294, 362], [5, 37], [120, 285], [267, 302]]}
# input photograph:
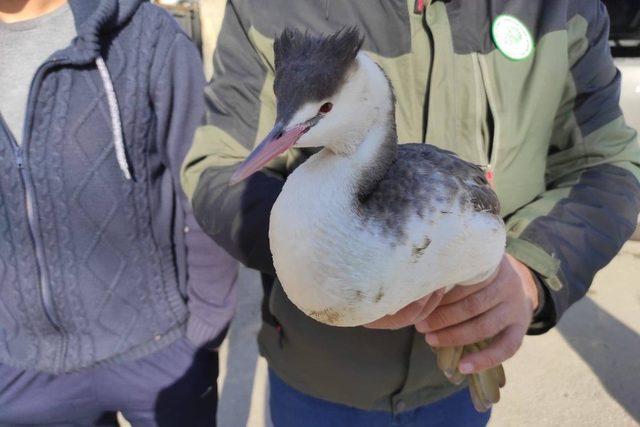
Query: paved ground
{"points": [[584, 373]]}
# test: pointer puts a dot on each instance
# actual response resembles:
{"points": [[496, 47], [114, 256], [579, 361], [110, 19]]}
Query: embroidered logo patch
{"points": [[512, 37]]}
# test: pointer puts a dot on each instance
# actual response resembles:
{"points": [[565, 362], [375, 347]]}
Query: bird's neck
{"points": [[378, 149], [374, 156], [332, 179]]}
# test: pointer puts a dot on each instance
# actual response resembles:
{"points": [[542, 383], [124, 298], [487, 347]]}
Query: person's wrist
{"points": [[544, 317], [532, 292], [529, 285]]}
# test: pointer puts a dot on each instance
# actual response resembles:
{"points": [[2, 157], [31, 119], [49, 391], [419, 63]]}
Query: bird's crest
{"points": [[339, 48], [312, 67]]}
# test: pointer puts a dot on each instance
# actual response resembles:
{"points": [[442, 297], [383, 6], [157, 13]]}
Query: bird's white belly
{"points": [[344, 272]]}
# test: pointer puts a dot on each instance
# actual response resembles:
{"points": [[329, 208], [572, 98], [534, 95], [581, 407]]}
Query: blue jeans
{"points": [[291, 408]]}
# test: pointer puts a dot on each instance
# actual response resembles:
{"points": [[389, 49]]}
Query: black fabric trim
{"points": [[544, 318], [596, 78], [471, 20], [587, 229], [233, 95], [386, 23], [237, 217]]}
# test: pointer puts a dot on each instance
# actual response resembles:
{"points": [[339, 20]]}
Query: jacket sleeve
{"points": [[210, 273], [591, 205], [238, 100]]}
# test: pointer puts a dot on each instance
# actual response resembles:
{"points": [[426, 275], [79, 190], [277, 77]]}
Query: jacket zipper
{"points": [[46, 295], [492, 154], [45, 288], [493, 142], [420, 9], [481, 104]]}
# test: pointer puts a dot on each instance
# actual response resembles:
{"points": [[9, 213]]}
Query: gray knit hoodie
{"points": [[99, 259]]}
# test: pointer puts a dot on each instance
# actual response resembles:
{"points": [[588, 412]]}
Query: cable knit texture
{"points": [[108, 244]]}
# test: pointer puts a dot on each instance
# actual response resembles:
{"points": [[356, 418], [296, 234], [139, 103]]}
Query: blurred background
{"points": [[585, 372]]}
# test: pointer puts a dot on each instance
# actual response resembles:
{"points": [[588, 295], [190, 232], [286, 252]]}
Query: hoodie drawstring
{"points": [[116, 123]]}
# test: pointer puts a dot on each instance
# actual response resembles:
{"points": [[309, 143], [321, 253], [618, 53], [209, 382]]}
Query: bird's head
{"points": [[329, 94]]}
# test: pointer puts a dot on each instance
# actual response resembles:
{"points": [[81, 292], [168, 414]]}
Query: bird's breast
{"points": [[346, 270]]}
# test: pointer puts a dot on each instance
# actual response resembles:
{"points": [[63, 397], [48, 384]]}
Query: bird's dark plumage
{"points": [[408, 185]]}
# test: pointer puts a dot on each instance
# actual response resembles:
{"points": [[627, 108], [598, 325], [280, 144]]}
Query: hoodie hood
{"points": [[94, 18]]}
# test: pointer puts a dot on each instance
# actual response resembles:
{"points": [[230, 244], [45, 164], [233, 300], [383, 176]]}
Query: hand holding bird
{"points": [[500, 307], [413, 314], [495, 313]]}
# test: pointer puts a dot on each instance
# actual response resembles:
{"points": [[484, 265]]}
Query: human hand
{"points": [[415, 312], [500, 308]]}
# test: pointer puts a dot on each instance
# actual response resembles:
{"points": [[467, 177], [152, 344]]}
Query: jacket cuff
{"points": [[544, 318], [202, 334]]}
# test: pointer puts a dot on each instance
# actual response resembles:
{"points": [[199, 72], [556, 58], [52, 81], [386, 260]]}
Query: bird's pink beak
{"points": [[276, 143]]}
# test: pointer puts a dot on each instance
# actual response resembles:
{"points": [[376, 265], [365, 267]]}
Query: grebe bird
{"points": [[366, 226]]}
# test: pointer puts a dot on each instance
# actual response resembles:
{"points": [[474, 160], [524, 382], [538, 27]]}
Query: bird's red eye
{"points": [[326, 107]]}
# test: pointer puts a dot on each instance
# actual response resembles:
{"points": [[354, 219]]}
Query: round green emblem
{"points": [[512, 37]]}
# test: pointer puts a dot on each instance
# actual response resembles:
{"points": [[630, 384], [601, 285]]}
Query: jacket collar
{"points": [[93, 19]]}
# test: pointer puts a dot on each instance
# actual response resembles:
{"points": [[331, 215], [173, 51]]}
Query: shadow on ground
{"points": [[610, 348]]}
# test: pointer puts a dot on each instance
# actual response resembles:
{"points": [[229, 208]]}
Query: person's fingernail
{"points": [[432, 339], [466, 368]]}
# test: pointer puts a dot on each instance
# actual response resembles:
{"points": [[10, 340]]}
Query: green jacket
{"points": [[548, 125]]}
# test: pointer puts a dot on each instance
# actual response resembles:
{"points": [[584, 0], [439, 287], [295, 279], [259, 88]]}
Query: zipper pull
{"points": [[418, 7], [19, 158], [488, 173]]}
